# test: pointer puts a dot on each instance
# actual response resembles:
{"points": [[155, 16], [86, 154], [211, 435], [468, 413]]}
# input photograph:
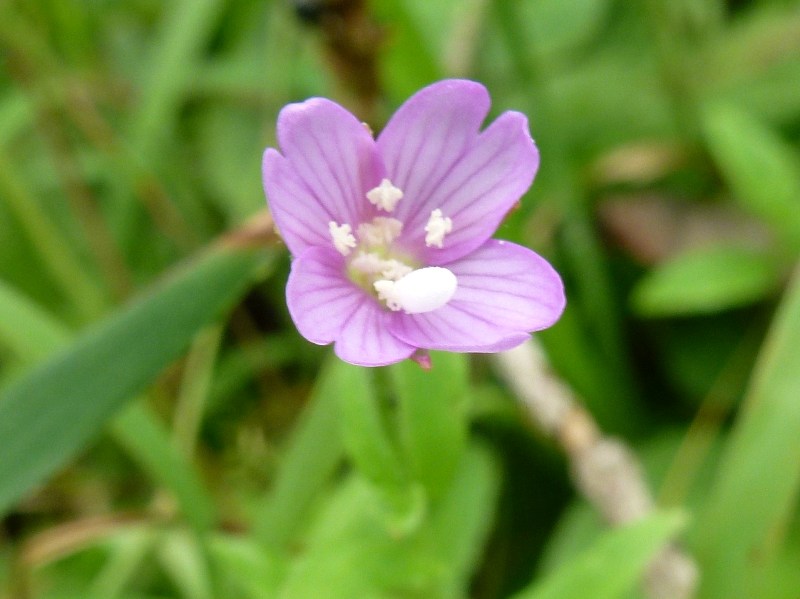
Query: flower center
{"points": [[381, 269]]}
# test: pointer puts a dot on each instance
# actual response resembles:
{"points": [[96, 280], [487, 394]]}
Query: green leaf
{"points": [[185, 563], [432, 417], [350, 553], [463, 517], [707, 280], [612, 565], [313, 454], [148, 442], [762, 170], [759, 474], [185, 27], [557, 26], [46, 416], [28, 330], [57, 254], [408, 60], [128, 548], [364, 430], [253, 572]]}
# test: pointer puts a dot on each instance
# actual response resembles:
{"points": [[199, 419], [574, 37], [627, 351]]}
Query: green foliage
{"points": [[707, 281], [82, 386], [165, 432], [763, 171], [612, 565], [754, 495]]}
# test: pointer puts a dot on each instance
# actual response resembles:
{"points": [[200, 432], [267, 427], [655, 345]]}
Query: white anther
{"points": [[420, 291], [342, 236], [438, 226], [394, 270], [385, 291], [385, 196], [372, 264], [383, 230], [368, 263]]}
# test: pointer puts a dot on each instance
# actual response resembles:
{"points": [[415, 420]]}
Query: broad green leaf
{"points": [[49, 414], [313, 454], [34, 334], [432, 417], [612, 565], [759, 475], [761, 169], [707, 280]]}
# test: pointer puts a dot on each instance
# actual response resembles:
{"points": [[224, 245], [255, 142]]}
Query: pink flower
{"points": [[391, 237]]}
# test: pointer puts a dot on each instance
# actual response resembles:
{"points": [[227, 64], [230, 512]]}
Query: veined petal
{"points": [[332, 162], [504, 291], [477, 192], [320, 297], [428, 135], [365, 340], [301, 217]]}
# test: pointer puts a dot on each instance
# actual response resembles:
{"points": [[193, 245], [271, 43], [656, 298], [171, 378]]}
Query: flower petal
{"points": [[325, 306], [477, 191], [428, 135], [319, 296], [330, 162], [365, 340], [504, 291], [299, 215]]}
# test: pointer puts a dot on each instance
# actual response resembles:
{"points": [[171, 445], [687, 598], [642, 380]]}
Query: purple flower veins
{"points": [[391, 237]]}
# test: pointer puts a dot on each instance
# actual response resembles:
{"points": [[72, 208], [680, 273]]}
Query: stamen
{"points": [[368, 263], [420, 291], [342, 236], [438, 226], [372, 264], [385, 291], [383, 230], [394, 270], [385, 196]]}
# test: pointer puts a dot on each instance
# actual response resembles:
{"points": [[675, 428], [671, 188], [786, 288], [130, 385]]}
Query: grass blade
{"points": [[759, 475], [49, 414]]}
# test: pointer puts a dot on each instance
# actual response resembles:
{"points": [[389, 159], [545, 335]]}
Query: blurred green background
{"points": [[166, 433]]}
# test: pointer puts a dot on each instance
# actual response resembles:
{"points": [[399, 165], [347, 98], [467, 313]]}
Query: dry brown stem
{"points": [[604, 469]]}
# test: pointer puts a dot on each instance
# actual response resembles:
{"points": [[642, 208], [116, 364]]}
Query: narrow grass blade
{"points": [[759, 474]]}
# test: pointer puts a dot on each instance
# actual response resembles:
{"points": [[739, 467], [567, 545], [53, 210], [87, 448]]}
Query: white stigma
{"points": [[420, 291], [385, 196], [383, 230], [342, 236], [438, 226]]}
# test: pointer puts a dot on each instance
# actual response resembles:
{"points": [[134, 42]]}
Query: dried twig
{"points": [[604, 469]]}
